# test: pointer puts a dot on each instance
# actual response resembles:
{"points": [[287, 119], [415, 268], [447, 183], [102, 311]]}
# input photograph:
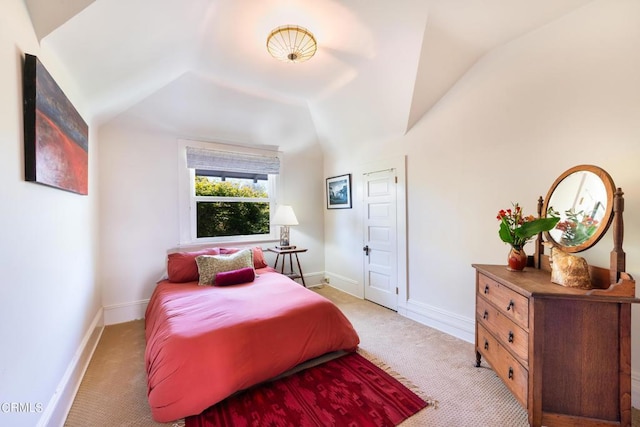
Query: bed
{"points": [[205, 343]]}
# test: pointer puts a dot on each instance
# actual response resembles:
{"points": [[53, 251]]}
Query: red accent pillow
{"points": [[182, 267], [258, 256], [228, 251], [235, 277]]}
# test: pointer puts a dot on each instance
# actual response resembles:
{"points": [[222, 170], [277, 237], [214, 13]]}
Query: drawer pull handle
{"points": [[510, 336], [485, 315], [511, 305], [486, 289], [486, 345], [510, 373]]}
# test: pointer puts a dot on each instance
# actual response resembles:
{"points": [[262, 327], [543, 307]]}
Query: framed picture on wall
{"points": [[339, 192], [56, 138]]}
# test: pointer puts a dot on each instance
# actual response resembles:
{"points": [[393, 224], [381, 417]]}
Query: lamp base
{"points": [[286, 247], [284, 236]]}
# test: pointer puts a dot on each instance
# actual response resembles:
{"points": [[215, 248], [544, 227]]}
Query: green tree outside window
{"points": [[219, 218]]}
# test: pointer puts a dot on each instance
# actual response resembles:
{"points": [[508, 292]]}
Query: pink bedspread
{"points": [[204, 342]]}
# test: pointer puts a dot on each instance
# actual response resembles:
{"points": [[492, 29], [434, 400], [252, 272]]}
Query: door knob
{"points": [[366, 250]]}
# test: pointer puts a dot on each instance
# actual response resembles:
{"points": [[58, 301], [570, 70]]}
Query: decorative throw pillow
{"points": [[182, 267], [569, 270], [227, 251], [210, 265], [258, 255], [258, 258], [235, 277]]}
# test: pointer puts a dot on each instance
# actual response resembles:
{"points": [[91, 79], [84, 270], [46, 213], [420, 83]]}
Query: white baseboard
{"points": [[125, 312], [312, 279], [349, 286], [60, 403], [442, 320], [447, 322]]}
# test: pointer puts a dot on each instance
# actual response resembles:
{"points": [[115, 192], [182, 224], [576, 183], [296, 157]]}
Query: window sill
{"points": [[202, 243]]}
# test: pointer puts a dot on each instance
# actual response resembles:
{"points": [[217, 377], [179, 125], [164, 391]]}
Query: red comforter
{"points": [[205, 342]]}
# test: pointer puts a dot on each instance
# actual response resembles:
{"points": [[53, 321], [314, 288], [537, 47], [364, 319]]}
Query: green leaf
{"points": [[505, 233], [530, 229]]}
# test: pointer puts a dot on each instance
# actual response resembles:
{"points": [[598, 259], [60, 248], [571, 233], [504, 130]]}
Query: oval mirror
{"points": [[583, 198]]}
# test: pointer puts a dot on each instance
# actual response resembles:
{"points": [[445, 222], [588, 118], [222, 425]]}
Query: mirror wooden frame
{"points": [[607, 218], [617, 260]]}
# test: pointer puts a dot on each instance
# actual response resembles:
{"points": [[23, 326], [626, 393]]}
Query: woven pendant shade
{"points": [[291, 43]]}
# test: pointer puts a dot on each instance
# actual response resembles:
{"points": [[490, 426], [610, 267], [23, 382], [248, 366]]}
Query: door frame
{"points": [[399, 164]]}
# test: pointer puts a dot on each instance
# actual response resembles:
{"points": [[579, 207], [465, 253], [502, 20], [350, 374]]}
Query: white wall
{"points": [[563, 95], [49, 298], [138, 216], [139, 208]]}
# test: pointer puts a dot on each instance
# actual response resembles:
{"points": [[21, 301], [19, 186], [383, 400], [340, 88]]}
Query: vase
{"points": [[517, 259]]}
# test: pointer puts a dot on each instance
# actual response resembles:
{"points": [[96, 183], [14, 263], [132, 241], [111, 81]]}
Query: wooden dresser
{"points": [[564, 353]]}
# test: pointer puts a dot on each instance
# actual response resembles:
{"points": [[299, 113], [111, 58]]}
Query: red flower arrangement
{"points": [[517, 229]]}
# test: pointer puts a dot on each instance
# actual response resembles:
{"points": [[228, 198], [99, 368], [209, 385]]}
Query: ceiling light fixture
{"points": [[291, 43]]}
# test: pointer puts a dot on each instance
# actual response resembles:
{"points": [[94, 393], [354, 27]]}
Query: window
{"points": [[228, 193], [236, 205]]}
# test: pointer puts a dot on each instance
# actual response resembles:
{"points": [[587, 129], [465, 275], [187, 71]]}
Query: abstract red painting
{"points": [[56, 138]]}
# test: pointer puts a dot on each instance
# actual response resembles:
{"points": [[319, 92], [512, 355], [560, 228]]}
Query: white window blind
{"points": [[206, 159]]}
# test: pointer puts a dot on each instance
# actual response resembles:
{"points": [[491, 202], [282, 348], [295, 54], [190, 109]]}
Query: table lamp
{"points": [[284, 217]]}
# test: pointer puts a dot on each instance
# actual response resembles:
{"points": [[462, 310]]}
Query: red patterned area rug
{"points": [[348, 391]]}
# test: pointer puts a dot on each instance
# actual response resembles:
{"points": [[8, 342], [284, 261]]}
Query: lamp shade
{"points": [[284, 216], [291, 43]]}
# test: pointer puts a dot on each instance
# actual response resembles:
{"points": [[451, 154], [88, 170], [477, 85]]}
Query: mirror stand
{"points": [[603, 278], [618, 257]]}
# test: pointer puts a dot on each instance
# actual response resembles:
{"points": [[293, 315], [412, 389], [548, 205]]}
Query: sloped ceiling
{"points": [[200, 67]]}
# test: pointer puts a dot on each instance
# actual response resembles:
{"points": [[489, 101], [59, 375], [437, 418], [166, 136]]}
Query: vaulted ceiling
{"points": [[200, 67]]}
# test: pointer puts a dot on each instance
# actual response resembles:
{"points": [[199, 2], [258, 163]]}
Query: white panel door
{"points": [[380, 239]]}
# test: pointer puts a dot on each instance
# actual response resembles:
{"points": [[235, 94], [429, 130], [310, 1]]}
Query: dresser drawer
{"points": [[512, 336], [511, 303], [512, 373]]}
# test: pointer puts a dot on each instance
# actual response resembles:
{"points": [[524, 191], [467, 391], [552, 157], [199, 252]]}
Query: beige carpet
{"points": [[113, 391]]}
